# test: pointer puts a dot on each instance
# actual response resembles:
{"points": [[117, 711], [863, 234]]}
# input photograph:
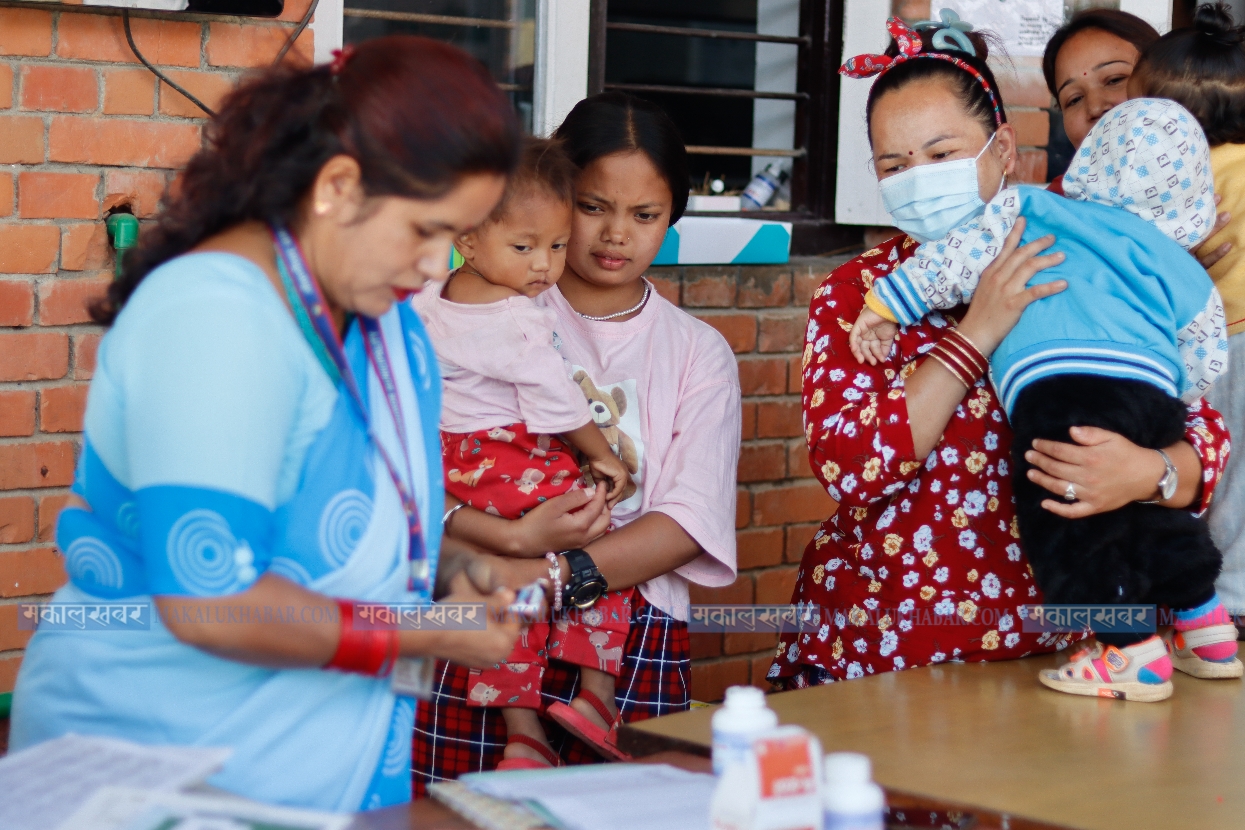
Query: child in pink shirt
{"points": [[512, 418]]}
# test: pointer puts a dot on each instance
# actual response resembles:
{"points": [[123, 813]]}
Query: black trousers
{"points": [[1138, 554]]}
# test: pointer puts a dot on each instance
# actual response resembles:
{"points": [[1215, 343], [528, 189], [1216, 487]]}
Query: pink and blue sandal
{"points": [[1140, 672]]}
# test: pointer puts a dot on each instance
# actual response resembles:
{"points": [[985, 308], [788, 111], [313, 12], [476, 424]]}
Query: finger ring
{"points": [[1070, 493]]}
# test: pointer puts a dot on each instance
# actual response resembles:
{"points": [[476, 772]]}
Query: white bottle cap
{"points": [[745, 697], [848, 768]]}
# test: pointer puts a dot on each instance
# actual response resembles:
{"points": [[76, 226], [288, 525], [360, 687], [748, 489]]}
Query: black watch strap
{"points": [[582, 571]]}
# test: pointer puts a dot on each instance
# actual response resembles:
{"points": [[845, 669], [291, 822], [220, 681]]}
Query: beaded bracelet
{"points": [[363, 650], [555, 573], [960, 357]]}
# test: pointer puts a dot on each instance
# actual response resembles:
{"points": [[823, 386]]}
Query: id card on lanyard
{"points": [[307, 292]]}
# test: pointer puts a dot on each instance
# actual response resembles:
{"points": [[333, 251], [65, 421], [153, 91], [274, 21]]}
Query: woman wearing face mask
{"points": [[261, 450], [921, 562]]}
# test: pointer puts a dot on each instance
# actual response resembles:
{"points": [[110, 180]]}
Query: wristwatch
{"points": [[1168, 483], [585, 585]]}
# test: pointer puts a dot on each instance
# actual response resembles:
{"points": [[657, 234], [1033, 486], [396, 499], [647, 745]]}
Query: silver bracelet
{"points": [[445, 520]]}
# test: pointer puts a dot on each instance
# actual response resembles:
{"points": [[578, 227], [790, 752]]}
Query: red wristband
{"points": [[362, 650]]}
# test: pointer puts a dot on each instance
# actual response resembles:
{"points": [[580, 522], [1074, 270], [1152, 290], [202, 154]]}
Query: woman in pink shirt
{"points": [[664, 388]]}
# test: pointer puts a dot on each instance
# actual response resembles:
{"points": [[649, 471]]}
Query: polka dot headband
{"points": [[910, 45]]}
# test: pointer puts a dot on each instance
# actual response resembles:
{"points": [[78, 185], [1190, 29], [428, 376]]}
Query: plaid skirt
{"points": [[452, 738]]}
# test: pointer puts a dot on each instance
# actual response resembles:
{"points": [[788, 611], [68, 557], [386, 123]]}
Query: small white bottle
{"points": [[742, 718], [850, 798], [763, 187]]}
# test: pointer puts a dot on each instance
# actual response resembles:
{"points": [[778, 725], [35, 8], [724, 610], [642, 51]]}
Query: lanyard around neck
{"points": [[318, 328]]}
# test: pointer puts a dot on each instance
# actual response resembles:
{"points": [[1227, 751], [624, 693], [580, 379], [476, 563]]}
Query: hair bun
{"points": [[1214, 20]]}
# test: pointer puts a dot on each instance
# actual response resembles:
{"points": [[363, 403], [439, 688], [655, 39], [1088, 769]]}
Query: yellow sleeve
{"points": [[878, 307]]}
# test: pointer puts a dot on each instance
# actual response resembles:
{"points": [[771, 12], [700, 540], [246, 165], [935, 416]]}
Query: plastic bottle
{"points": [[744, 717], [850, 799], [763, 186]]}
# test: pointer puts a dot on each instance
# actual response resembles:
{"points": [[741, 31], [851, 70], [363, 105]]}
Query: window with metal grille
{"points": [[500, 33], [749, 83]]}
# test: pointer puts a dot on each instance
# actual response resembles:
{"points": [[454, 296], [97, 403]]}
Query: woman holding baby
{"points": [[922, 561]]}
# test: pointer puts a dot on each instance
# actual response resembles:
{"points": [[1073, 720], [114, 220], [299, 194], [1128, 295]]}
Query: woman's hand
{"points": [[1001, 294], [1209, 258], [1107, 471], [570, 520], [475, 649]]}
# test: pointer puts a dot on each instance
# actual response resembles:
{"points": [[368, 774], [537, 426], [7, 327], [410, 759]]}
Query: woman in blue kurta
{"points": [[261, 435]]}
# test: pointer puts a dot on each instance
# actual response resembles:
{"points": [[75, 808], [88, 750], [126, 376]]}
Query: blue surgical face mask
{"points": [[930, 200]]}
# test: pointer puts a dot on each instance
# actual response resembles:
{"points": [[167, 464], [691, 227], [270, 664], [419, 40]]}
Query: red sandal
{"points": [[551, 757], [603, 741]]}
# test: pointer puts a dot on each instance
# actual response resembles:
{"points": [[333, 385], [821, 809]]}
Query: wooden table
{"points": [[988, 734]]}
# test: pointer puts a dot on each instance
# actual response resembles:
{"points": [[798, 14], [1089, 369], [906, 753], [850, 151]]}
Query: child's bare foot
{"points": [[601, 684], [523, 722]]}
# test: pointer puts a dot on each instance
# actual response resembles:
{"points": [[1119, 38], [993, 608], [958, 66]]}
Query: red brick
{"points": [[8, 671], [776, 585], [805, 282], [121, 142], [764, 286], [782, 331], [63, 302], [17, 412], [1032, 127], [49, 510], [710, 680], [740, 330], [795, 374], [8, 192], [759, 547], [25, 32], [29, 249], [26, 572], [57, 195], [141, 190], [11, 636], [33, 356], [36, 464], [61, 408], [738, 592], [745, 642], [253, 46], [1023, 89], [17, 519], [1031, 166], [748, 427], [762, 462], [763, 376], [84, 348], [704, 645], [96, 37], [294, 11], [6, 86], [743, 507], [779, 419], [760, 668], [800, 502], [798, 537], [17, 303], [797, 460], [709, 287], [667, 283], [208, 87], [85, 247], [21, 138], [129, 92], [59, 88]]}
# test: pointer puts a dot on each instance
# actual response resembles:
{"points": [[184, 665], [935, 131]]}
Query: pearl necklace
{"points": [[632, 310]]}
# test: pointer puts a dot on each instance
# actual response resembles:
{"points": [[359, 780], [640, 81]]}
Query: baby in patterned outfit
{"points": [[1137, 334], [512, 418]]}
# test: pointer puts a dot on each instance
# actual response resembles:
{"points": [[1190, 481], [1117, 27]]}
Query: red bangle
{"points": [[363, 650], [968, 350], [960, 357]]}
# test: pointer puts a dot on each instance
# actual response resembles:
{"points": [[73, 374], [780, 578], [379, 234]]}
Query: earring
{"points": [[322, 208]]}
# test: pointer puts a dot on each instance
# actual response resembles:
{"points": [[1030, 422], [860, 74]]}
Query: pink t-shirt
{"points": [[499, 366], [667, 397]]}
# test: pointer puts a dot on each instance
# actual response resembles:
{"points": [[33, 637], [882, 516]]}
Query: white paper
{"points": [[1024, 25], [44, 784], [123, 808], [609, 796]]}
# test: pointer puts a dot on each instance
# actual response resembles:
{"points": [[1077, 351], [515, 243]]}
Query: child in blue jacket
{"points": [[1138, 332]]}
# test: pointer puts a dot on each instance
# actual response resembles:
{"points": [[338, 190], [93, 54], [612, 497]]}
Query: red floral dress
{"points": [[921, 563]]}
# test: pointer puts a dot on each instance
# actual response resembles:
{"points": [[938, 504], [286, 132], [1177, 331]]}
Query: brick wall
{"points": [[762, 311], [84, 129]]}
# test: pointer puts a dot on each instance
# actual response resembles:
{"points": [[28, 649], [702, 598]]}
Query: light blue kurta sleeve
{"points": [[210, 393]]}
